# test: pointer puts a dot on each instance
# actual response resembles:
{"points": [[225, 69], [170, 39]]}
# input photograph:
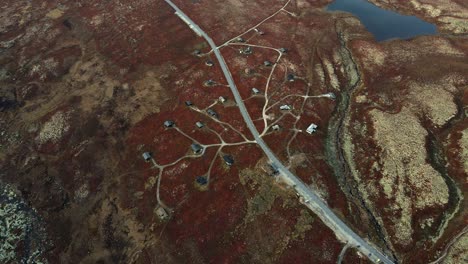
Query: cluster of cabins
{"points": [[246, 50], [198, 149]]}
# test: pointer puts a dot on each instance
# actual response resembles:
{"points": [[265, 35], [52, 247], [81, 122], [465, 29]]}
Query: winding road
{"points": [[309, 197]]}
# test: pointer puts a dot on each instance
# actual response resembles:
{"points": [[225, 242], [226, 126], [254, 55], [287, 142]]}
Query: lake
{"points": [[384, 24]]}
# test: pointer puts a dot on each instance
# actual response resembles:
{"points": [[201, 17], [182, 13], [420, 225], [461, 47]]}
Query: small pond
{"points": [[384, 24]]}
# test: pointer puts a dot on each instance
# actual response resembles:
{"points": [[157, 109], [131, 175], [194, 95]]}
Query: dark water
{"points": [[384, 24]]}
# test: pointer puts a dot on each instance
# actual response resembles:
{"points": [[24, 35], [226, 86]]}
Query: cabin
{"points": [[249, 71], [169, 123], [196, 148], [331, 96], [188, 103], [261, 33], [291, 77], [212, 113], [240, 39], [267, 63], [283, 50], [201, 180], [312, 128], [228, 159], [209, 83], [209, 63], [246, 51], [147, 156], [199, 124], [285, 107], [276, 127], [255, 91], [222, 99], [162, 213]]}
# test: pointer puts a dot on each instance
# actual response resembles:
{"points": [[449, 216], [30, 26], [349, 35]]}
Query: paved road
{"points": [[311, 200], [342, 253]]}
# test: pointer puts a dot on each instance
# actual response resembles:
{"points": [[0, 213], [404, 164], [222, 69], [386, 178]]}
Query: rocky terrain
{"points": [[85, 87]]}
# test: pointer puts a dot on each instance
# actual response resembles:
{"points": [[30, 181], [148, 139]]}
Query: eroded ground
{"points": [[86, 87]]}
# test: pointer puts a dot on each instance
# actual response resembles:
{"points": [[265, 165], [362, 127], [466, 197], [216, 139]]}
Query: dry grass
{"points": [[458, 252], [55, 13], [464, 150], [54, 129], [407, 178], [435, 101]]}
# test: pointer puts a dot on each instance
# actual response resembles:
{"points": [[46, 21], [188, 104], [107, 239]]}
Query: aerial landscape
{"points": [[234, 131]]}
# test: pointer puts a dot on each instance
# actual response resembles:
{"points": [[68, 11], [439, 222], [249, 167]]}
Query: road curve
{"points": [[311, 200]]}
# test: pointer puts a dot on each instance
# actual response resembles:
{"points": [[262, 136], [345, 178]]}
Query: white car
{"points": [[285, 107]]}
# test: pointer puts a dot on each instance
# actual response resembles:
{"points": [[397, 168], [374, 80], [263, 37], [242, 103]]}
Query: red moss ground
{"points": [[121, 69]]}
